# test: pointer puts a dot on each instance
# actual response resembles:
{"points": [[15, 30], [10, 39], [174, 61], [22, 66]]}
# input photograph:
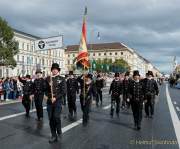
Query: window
{"points": [[115, 53], [1, 73], [27, 60], [32, 48], [99, 54], [94, 54], [121, 53], [27, 47], [32, 60], [68, 62], [18, 44], [104, 53], [23, 45], [68, 55], [17, 71], [23, 59], [73, 55], [43, 62], [110, 53], [17, 58], [7, 72]]}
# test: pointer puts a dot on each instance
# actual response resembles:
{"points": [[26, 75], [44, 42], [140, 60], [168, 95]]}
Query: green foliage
{"points": [[8, 46], [106, 65]]}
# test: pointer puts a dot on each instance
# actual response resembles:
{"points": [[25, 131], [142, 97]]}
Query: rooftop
{"points": [[98, 46], [25, 34]]}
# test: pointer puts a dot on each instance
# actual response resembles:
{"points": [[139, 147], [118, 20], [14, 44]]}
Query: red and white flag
{"points": [[83, 59]]}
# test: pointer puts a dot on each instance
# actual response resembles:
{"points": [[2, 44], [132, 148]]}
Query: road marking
{"points": [[174, 117], [106, 107], [175, 102], [64, 129], [18, 114], [68, 127], [34, 110], [10, 102], [178, 109]]}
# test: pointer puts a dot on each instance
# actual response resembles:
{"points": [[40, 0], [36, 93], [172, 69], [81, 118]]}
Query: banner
{"points": [[49, 43]]}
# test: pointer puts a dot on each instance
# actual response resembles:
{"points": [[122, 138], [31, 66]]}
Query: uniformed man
{"points": [[85, 95], [115, 91], [151, 89], [55, 91], [39, 89], [64, 96], [136, 94], [72, 89], [126, 101], [27, 93], [99, 86]]}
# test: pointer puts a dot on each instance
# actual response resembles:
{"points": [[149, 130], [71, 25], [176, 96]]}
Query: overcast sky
{"points": [[152, 27]]}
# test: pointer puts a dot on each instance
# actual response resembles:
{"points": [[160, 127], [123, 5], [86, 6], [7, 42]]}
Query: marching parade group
{"points": [[133, 90]]}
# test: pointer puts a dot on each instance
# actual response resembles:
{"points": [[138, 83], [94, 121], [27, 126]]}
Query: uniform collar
{"points": [[55, 75], [137, 81]]}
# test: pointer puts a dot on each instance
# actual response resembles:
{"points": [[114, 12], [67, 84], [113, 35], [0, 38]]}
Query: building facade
{"points": [[111, 51], [29, 59]]}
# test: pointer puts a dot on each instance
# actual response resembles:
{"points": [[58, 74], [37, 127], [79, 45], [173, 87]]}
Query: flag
{"points": [[82, 59], [98, 36]]}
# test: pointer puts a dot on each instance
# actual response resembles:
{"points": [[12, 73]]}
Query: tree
{"points": [[106, 65], [120, 65], [8, 46]]}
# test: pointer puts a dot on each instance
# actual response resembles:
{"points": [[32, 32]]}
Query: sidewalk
{"points": [[9, 101]]}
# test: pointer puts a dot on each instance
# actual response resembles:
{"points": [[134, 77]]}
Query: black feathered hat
{"points": [[38, 71], [55, 66], [127, 73], [116, 74], [136, 73], [150, 73], [70, 72], [28, 76]]}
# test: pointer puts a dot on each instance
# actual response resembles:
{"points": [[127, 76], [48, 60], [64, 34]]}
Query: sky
{"points": [[151, 27]]}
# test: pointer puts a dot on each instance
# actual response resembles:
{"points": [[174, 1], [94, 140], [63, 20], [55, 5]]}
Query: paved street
{"points": [[103, 132]]}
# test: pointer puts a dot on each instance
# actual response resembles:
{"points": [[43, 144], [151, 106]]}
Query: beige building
{"points": [[177, 69], [28, 59], [112, 51]]}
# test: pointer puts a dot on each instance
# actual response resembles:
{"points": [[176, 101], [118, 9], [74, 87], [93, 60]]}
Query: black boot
{"points": [[27, 115], [112, 113], [117, 113], [138, 126], [59, 133], [75, 115], [53, 140]]}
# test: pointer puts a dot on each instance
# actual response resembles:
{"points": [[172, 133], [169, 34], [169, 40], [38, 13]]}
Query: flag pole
{"points": [[84, 86]]}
